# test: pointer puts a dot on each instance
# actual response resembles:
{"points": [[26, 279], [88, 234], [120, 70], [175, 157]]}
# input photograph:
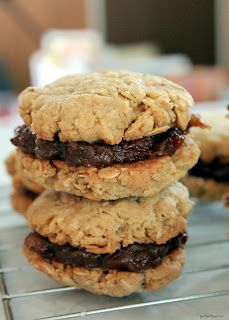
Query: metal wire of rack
{"points": [[202, 289]]}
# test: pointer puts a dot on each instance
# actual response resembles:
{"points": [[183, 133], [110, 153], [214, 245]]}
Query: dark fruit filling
{"points": [[135, 258]]}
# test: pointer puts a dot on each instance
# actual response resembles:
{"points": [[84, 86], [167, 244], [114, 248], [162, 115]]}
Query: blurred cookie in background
{"points": [[24, 191], [226, 200], [209, 178]]}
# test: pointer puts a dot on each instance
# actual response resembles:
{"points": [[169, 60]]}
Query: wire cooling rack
{"points": [[202, 291]]}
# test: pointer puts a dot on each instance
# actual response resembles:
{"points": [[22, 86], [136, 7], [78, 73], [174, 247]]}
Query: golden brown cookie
{"points": [[109, 106], [113, 282], [140, 179], [209, 179], [10, 163], [106, 226], [205, 189], [20, 199], [226, 200], [15, 172]]}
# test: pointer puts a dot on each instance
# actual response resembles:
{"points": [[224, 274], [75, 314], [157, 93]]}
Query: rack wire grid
{"points": [[202, 291]]}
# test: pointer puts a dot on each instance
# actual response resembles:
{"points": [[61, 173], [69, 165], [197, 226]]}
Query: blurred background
{"points": [[186, 41]]}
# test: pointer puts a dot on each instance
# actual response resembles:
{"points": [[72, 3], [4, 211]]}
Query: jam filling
{"points": [[215, 170], [29, 193], [98, 154], [135, 258]]}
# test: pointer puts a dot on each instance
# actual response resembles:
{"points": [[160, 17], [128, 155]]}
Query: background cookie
{"points": [[24, 190], [10, 163], [113, 283], [141, 179], [206, 189], [21, 198], [214, 141], [15, 172]]}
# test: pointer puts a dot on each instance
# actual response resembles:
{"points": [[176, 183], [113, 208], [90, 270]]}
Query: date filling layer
{"points": [[135, 258], [98, 154]]}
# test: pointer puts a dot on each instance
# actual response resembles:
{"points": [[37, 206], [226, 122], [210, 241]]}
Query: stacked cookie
{"points": [[209, 178], [110, 147]]}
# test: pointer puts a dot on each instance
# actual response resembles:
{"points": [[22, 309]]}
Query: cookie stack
{"points": [[110, 148]]}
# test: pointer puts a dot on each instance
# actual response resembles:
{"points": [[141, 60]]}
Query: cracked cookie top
{"points": [[214, 140], [105, 106]]}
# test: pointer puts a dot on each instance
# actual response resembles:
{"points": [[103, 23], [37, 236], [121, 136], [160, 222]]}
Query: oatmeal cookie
{"points": [[209, 178], [205, 189], [15, 172], [109, 106], [19, 201], [24, 190], [214, 141]]}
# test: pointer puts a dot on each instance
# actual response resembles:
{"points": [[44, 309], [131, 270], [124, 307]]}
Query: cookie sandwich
{"points": [[110, 148], [109, 247], [106, 135]]}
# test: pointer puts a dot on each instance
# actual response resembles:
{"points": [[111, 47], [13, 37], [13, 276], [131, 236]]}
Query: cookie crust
{"points": [[214, 141], [205, 189], [108, 106], [139, 179], [113, 283], [103, 227]]}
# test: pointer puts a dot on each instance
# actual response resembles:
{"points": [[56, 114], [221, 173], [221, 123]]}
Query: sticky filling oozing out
{"points": [[134, 258], [98, 154]]}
